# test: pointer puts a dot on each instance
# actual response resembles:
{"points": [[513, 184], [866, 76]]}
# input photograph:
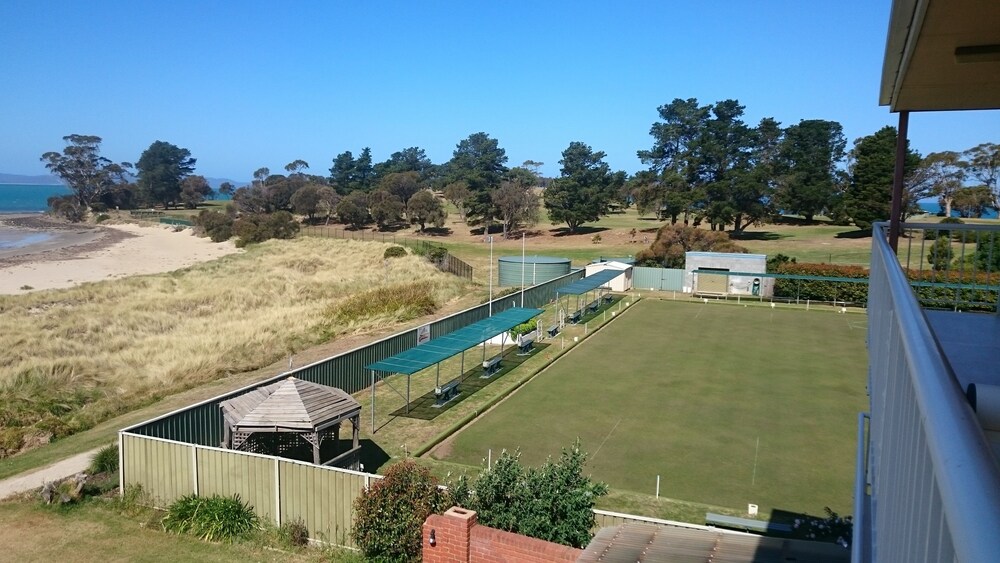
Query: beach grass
{"points": [[75, 357]]}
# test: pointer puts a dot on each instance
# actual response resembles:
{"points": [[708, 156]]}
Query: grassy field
{"points": [[78, 356], [685, 391]]}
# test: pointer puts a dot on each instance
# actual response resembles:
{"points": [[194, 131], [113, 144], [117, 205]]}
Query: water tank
{"points": [[537, 269]]}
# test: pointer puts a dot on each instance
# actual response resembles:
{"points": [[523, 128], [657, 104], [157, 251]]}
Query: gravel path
{"points": [[35, 479]]}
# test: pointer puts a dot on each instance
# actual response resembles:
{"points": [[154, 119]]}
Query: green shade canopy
{"points": [[455, 342], [590, 282]]}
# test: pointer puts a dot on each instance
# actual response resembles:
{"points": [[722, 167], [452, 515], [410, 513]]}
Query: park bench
{"points": [[608, 298], [525, 345], [553, 330], [594, 305], [446, 392], [574, 317], [745, 524], [491, 365]]}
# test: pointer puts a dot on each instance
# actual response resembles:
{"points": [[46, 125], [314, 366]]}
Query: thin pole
{"points": [[522, 268], [373, 401], [753, 480], [407, 394], [897, 181], [491, 276]]}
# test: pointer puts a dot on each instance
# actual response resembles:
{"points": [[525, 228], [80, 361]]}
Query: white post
{"points": [[194, 467], [657, 486], [522, 268], [277, 493], [489, 458], [491, 274]]}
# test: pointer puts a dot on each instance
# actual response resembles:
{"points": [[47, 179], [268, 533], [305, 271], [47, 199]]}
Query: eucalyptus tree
{"points": [[83, 169]]}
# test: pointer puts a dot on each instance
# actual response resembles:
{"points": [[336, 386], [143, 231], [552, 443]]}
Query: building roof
{"points": [[646, 543], [942, 55], [289, 405]]}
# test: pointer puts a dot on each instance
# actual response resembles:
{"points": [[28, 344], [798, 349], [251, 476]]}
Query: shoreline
{"points": [[81, 253]]}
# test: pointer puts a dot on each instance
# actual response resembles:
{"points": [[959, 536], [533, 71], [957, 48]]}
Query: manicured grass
{"points": [[684, 391]]}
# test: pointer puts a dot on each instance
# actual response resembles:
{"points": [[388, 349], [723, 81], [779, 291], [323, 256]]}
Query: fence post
{"points": [[194, 466], [277, 492]]}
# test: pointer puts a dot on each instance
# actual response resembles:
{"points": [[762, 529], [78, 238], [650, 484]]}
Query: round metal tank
{"points": [[537, 269]]}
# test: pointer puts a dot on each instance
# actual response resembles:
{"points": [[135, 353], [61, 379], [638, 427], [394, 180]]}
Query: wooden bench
{"points": [[553, 330], [745, 524], [593, 306], [574, 317], [492, 365], [525, 345], [446, 392]]}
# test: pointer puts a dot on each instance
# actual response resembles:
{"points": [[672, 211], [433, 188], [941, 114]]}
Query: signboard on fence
{"points": [[423, 334]]}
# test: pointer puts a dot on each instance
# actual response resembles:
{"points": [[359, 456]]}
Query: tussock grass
{"points": [[74, 357]]}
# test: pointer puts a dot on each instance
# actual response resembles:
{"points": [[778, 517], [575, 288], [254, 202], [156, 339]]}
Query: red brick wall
{"points": [[459, 539]]}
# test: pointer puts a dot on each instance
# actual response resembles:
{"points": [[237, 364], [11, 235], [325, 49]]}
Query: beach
{"points": [[70, 254]]}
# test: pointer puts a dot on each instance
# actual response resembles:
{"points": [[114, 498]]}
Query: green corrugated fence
{"points": [[657, 279]]}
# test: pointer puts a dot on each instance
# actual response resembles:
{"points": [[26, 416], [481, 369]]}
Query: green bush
{"points": [[821, 290], [218, 226], [105, 460], [389, 516], [394, 252], [215, 518], [524, 328], [11, 440], [437, 254], [932, 234], [940, 254], [258, 227], [102, 218]]}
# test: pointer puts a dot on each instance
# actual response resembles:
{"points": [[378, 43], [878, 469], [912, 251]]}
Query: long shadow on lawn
{"points": [[424, 408]]}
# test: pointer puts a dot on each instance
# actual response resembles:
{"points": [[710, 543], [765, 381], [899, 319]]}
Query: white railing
{"points": [[934, 485]]}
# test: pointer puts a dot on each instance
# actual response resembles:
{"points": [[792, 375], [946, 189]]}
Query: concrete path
{"points": [[35, 479]]}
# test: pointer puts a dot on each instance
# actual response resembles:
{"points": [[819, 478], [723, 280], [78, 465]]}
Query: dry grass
{"points": [[78, 356]]}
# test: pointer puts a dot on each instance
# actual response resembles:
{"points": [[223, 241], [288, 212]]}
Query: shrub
{"points": [[437, 254], [596, 239], [214, 518], [102, 218], [293, 534], [218, 226], [394, 252], [11, 440], [389, 516], [940, 254], [554, 502], [524, 328], [833, 528], [932, 234], [105, 460], [672, 241], [259, 227], [822, 290]]}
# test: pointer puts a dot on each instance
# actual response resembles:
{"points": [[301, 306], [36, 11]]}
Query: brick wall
{"points": [[459, 539]]}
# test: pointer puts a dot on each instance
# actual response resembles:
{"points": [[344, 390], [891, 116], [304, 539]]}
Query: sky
{"points": [[244, 85]]}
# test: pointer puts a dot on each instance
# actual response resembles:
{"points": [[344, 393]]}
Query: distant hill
{"points": [[42, 180], [49, 180]]}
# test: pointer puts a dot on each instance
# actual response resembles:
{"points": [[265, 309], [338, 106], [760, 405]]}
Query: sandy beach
{"points": [[73, 254]]}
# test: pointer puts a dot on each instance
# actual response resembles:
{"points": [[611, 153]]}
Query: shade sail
{"points": [[455, 342], [590, 282]]}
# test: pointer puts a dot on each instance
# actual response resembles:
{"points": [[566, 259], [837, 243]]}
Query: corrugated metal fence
{"points": [[657, 279]]}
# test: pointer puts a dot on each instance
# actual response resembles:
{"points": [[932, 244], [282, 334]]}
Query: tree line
{"points": [[706, 165]]}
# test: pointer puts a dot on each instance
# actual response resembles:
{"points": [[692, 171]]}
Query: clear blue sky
{"points": [[250, 84]]}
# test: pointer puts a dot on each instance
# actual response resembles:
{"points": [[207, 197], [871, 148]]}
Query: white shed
{"points": [[621, 283], [730, 274]]}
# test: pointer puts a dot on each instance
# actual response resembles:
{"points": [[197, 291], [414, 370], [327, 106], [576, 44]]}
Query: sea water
{"points": [[25, 198]]}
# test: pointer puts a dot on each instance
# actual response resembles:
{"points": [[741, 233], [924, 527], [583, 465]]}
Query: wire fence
{"points": [[438, 254]]}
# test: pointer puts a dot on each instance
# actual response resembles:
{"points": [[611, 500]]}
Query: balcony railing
{"points": [[934, 485]]}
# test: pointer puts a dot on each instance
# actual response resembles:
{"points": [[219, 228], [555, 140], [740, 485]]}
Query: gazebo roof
{"points": [[289, 405]]}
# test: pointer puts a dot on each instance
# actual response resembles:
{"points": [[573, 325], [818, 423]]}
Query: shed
{"points": [[620, 283], [295, 419], [725, 273]]}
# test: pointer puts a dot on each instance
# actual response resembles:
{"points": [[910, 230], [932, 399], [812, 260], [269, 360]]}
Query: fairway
{"points": [[728, 404]]}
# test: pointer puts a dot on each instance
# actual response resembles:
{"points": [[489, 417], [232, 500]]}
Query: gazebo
{"points": [[295, 419]]}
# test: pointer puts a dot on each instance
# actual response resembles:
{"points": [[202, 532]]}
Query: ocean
{"points": [[28, 198], [25, 198], [932, 207]]}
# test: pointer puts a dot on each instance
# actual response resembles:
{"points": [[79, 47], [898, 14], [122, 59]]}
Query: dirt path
{"points": [[34, 479]]}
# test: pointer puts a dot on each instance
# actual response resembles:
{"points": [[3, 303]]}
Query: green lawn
{"points": [[685, 391]]}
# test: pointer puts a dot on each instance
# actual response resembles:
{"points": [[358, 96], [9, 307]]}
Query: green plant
{"points": [[394, 252], [389, 515], [833, 528], [218, 226], [404, 301], [524, 328], [102, 218], [596, 239], [940, 254], [436, 254], [11, 440], [26, 287], [105, 460], [214, 518], [134, 501]]}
